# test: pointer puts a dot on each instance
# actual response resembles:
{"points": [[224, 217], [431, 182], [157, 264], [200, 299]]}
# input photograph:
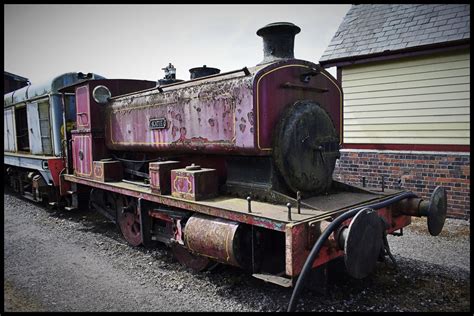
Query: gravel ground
{"points": [[77, 261]]}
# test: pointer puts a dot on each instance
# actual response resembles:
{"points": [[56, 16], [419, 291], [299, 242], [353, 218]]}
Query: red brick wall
{"points": [[417, 172]]}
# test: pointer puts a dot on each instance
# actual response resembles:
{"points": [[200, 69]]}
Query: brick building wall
{"points": [[419, 172]]}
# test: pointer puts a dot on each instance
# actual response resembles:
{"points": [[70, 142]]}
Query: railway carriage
{"points": [[33, 140]]}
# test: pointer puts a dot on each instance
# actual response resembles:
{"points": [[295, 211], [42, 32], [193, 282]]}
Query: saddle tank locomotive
{"points": [[235, 168]]}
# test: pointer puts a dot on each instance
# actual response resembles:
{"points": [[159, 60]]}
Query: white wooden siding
{"points": [[418, 100]]}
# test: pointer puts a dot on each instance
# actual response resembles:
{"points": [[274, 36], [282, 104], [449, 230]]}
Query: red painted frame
{"points": [[296, 234], [55, 166], [297, 248], [181, 203]]}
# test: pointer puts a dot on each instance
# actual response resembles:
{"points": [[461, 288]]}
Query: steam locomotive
{"points": [[232, 168]]}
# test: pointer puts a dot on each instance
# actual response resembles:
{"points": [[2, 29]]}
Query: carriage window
{"points": [[39, 130], [45, 127], [21, 124]]}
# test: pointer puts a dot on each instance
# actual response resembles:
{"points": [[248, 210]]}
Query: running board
{"points": [[282, 281]]}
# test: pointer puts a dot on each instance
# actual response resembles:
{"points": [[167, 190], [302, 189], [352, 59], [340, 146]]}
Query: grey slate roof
{"points": [[375, 28], [13, 76]]}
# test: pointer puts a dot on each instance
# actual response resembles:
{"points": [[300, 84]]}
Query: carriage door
{"points": [[34, 134], [9, 130], [39, 130]]}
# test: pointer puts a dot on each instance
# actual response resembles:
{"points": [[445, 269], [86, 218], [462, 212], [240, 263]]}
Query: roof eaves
{"points": [[389, 54], [17, 77]]}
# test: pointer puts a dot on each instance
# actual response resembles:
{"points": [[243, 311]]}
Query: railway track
{"points": [[77, 261]]}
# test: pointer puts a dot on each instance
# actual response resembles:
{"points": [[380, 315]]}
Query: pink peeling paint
{"points": [[83, 107], [204, 114], [81, 153], [228, 114], [183, 184]]}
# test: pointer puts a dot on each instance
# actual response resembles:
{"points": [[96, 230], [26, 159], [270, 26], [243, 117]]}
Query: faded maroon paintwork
{"points": [[160, 175], [279, 86], [298, 248], [297, 241], [250, 219], [86, 147], [83, 110], [194, 185], [106, 171], [82, 154], [233, 113], [89, 113], [88, 143], [212, 237], [199, 115]]}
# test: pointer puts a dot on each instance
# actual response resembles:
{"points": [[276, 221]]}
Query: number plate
{"points": [[158, 123]]}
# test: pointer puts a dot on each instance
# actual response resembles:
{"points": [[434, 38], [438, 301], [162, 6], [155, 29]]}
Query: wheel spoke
{"points": [[129, 222]]}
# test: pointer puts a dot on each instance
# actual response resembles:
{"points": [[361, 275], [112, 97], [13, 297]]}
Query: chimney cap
{"points": [[203, 71], [204, 67], [282, 25]]}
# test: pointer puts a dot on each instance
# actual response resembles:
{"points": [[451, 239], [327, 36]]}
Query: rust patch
{"points": [[212, 237], [199, 140], [174, 131], [250, 117], [182, 131]]}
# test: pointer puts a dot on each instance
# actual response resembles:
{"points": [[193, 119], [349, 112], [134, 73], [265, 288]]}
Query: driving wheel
{"points": [[128, 220]]}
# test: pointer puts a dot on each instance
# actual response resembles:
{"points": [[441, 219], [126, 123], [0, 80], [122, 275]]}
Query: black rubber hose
{"points": [[333, 226]]}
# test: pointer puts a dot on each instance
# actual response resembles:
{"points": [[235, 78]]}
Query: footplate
{"points": [[282, 281]]}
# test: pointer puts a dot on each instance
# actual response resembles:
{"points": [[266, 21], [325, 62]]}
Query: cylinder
{"points": [[216, 238], [278, 41]]}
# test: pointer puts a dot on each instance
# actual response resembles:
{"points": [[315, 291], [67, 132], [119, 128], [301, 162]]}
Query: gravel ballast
{"points": [[77, 261]]}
